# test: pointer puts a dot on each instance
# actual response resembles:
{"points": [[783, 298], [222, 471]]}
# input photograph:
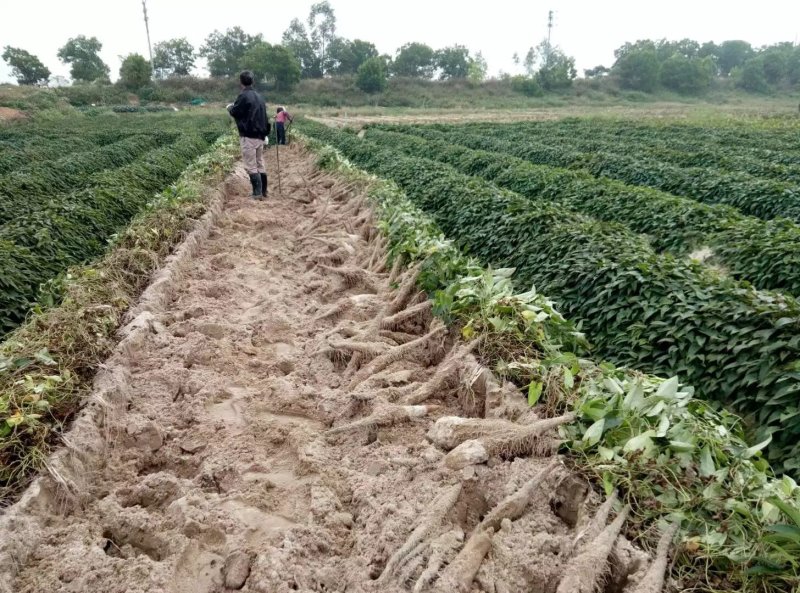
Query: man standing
{"points": [[250, 113]]}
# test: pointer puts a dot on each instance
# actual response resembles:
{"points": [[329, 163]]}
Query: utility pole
{"points": [[549, 33], [147, 28]]}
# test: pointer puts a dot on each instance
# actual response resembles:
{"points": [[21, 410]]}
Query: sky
{"points": [[589, 30]]}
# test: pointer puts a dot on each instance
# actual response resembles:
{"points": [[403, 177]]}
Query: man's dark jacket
{"points": [[250, 113]]}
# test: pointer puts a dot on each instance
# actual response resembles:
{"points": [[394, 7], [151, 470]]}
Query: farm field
{"points": [[67, 187], [354, 383]]}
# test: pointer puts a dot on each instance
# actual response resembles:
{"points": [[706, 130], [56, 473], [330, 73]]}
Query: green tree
{"points": [[732, 54], [83, 55], [135, 72], [550, 66], [322, 31], [452, 62], [346, 56], [272, 63], [296, 40], [793, 67], [689, 76], [596, 72], [414, 60], [478, 68], [173, 58], [776, 62], [751, 75], [638, 70], [224, 51], [372, 75], [25, 67]]}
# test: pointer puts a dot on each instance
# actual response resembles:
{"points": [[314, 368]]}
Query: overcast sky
{"points": [[590, 30]]}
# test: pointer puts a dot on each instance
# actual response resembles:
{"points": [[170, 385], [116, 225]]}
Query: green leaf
{"points": [[534, 392], [569, 379], [594, 433], [748, 453], [668, 388], [635, 397], [707, 467], [638, 443]]}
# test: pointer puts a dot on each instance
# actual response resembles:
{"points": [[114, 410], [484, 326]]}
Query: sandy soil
{"points": [[244, 460]]}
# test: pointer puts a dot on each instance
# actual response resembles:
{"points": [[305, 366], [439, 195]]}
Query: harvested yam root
{"points": [[442, 549], [585, 571], [420, 313], [520, 440], [334, 258], [368, 349], [446, 377], [460, 573], [397, 266], [385, 414], [409, 351], [346, 304], [352, 277], [653, 581], [428, 521], [408, 288], [397, 337], [449, 432], [597, 524], [512, 507]]}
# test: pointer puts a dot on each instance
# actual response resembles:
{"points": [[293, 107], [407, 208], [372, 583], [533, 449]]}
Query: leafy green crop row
{"points": [[766, 253], [673, 458], [26, 189], [757, 197], [646, 311], [71, 228], [747, 147], [589, 137]]}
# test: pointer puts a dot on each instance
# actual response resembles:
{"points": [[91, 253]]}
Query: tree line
{"points": [[313, 49]]}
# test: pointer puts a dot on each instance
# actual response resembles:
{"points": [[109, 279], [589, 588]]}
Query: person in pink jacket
{"points": [[281, 119]]}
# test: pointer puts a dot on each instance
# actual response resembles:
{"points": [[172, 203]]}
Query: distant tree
{"points": [[83, 55], [630, 48], [685, 48], [776, 62], [690, 76], [452, 62], [550, 66], [25, 67], [346, 56], [296, 40], [322, 31], [224, 51], [478, 68], [793, 67], [526, 86], [135, 72], [414, 60], [751, 75], [638, 70], [372, 75], [273, 63], [732, 54], [174, 57], [596, 72]]}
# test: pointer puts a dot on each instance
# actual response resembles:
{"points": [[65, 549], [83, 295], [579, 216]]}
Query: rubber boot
{"points": [[255, 181], [264, 185]]}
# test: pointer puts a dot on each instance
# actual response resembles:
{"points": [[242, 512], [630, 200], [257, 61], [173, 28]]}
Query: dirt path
{"points": [[236, 466]]}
